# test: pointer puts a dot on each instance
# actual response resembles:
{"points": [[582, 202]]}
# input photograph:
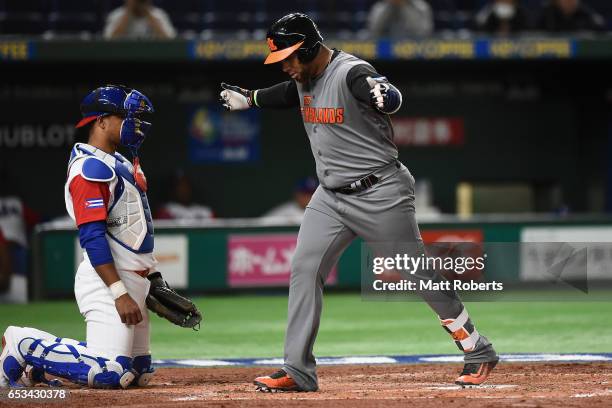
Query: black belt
{"points": [[363, 183]]}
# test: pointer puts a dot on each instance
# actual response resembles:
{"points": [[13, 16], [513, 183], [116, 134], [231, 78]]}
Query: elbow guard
{"points": [[384, 96]]}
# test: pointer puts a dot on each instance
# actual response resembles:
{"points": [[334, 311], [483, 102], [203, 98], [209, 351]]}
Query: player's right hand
{"points": [[128, 310], [235, 98]]}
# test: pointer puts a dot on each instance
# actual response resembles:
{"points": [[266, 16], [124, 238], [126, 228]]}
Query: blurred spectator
{"points": [[138, 19], [5, 265], [293, 210], [570, 15], [400, 18], [502, 17], [181, 205], [15, 217]]}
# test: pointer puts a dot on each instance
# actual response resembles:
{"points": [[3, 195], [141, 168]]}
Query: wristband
{"points": [[255, 97], [118, 289]]}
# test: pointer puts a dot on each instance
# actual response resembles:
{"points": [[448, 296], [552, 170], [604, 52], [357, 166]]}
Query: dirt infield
{"points": [[419, 385]]}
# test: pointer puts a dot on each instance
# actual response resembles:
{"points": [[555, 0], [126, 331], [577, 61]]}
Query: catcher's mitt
{"points": [[166, 303]]}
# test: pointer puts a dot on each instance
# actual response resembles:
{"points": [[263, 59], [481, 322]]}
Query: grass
{"points": [[253, 326]]}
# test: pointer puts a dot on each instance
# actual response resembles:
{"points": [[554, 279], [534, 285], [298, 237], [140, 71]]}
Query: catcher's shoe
{"points": [[279, 381], [475, 373], [32, 376]]}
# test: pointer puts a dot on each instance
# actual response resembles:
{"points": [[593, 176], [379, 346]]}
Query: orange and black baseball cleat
{"points": [[475, 373], [279, 381]]}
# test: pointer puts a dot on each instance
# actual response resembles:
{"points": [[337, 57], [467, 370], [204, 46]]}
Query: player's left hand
{"points": [[384, 96], [235, 98]]}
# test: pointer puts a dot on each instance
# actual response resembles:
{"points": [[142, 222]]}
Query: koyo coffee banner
{"points": [[263, 260]]}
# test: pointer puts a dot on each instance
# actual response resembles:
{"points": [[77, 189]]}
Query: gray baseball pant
{"points": [[381, 214]]}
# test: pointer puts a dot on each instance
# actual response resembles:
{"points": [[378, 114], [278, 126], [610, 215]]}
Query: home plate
{"points": [[458, 387]]}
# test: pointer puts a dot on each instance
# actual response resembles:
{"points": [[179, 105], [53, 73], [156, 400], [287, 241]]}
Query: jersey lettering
{"points": [[323, 115]]}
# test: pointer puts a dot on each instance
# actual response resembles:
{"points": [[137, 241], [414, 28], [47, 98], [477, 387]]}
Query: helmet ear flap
{"points": [[306, 55]]}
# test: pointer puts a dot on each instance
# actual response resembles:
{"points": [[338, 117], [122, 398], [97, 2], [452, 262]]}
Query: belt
{"points": [[142, 273], [369, 180]]}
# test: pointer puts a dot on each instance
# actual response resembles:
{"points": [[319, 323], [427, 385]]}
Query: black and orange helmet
{"points": [[293, 32]]}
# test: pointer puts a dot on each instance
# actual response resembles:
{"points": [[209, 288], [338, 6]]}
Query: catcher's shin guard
{"points": [[143, 369], [70, 359]]}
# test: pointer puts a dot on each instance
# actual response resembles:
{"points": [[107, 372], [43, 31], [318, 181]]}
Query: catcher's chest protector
{"points": [[129, 220]]}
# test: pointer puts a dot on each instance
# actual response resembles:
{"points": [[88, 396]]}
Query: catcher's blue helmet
{"points": [[114, 100]]}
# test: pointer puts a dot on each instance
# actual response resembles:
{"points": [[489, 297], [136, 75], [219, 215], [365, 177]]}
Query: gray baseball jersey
{"points": [[348, 137]]}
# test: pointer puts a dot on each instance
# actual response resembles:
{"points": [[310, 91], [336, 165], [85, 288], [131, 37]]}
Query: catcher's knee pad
{"points": [[109, 374], [143, 369], [12, 363], [462, 331], [10, 371], [71, 360]]}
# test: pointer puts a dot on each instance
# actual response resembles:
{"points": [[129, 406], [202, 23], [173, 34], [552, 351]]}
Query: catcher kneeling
{"points": [[117, 280]]}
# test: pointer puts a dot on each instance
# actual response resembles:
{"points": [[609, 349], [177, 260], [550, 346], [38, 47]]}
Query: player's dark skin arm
{"points": [[126, 307]]}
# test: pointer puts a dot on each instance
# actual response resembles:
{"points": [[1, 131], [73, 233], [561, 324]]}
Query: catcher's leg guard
{"points": [[69, 359], [143, 369]]}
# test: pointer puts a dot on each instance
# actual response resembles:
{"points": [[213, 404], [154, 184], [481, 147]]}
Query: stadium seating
{"points": [[230, 18]]}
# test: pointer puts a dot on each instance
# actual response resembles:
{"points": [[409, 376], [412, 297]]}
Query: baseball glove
{"points": [[166, 303]]}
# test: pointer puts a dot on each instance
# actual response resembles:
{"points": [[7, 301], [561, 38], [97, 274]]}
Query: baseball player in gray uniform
{"points": [[364, 191]]}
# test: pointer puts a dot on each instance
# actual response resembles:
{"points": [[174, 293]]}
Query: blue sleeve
{"points": [[92, 236]]}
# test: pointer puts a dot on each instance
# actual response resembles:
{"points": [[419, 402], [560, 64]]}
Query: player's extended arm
{"points": [[279, 96], [369, 86]]}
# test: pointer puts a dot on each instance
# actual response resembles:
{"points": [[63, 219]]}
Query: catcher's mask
{"points": [[119, 100]]}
